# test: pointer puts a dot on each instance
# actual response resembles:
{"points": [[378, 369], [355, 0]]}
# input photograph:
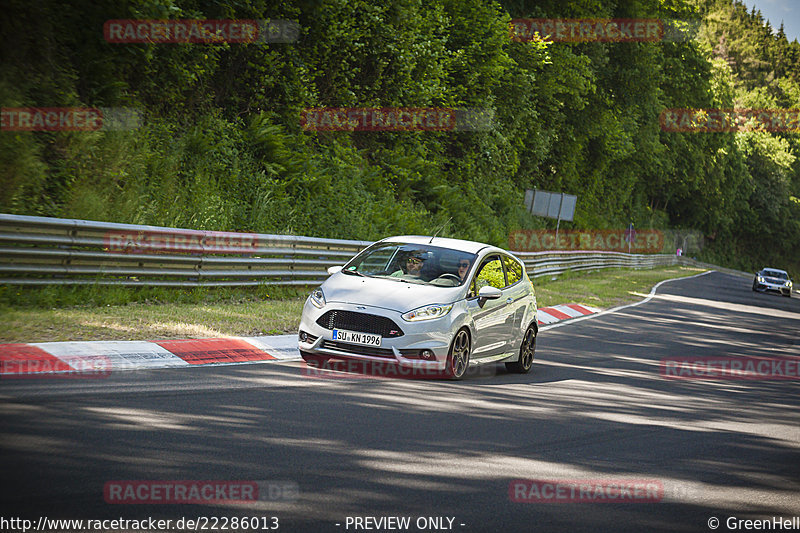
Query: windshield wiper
{"points": [[355, 273], [412, 281]]}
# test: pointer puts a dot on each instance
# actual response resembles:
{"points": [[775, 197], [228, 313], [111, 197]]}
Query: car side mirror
{"points": [[334, 269], [488, 293]]}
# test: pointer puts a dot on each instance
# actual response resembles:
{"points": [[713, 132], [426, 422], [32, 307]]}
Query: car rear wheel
{"points": [[458, 357], [527, 352], [314, 360]]}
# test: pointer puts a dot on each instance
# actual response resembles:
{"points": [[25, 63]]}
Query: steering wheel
{"points": [[451, 277]]}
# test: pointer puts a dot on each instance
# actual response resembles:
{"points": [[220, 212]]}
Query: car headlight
{"points": [[760, 279], [427, 313], [788, 283], [317, 297]]}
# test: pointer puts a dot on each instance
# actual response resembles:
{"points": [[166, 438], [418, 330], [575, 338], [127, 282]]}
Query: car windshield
{"points": [[775, 274], [413, 263]]}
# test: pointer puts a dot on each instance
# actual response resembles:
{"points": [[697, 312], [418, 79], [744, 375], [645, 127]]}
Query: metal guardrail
{"points": [[700, 264], [54, 251], [553, 263]]}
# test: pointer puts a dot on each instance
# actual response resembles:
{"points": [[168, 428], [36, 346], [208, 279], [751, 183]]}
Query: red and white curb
{"points": [[100, 358], [557, 313]]}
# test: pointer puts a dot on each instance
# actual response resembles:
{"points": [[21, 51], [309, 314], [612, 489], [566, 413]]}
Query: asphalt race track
{"points": [[599, 408]]}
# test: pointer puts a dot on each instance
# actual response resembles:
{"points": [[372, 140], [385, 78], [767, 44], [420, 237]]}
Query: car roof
{"points": [[444, 242], [775, 270]]}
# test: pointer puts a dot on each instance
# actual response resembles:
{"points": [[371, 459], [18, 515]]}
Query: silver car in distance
{"points": [[773, 279], [435, 305]]}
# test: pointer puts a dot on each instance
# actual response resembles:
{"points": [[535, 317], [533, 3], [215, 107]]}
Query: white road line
{"points": [[620, 308]]}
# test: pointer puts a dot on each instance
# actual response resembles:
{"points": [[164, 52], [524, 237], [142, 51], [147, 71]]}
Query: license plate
{"points": [[354, 337]]}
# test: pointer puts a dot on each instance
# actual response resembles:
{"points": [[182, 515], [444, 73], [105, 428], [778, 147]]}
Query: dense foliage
{"points": [[221, 145]]}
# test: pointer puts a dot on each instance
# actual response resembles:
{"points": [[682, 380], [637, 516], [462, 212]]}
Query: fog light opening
{"points": [[426, 355]]}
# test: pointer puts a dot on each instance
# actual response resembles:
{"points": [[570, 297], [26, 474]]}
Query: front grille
{"points": [[358, 349], [361, 322]]}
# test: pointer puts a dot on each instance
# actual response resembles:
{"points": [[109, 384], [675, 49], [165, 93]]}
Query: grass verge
{"points": [[605, 288], [38, 315], [246, 313]]}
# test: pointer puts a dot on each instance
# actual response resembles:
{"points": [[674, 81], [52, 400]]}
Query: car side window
{"points": [[490, 273], [379, 260], [513, 270]]}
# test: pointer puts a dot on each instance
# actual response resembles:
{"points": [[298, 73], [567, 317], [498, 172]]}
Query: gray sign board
{"points": [[550, 204]]}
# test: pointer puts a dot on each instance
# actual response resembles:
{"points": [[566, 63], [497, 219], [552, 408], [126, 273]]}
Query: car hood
{"points": [[386, 293]]}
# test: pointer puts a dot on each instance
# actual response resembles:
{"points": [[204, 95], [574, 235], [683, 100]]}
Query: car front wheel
{"points": [[526, 353], [458, 358]]}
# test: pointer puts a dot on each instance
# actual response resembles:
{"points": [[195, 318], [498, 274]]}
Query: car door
{"points": [[516, 294], [489, 317]]}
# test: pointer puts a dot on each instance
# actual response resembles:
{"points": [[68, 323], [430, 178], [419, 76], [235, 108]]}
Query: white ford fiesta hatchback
{"points": [[432, 304]]}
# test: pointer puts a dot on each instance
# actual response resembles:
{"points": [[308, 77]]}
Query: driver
{"points": [[412, 267], [463, 268]]}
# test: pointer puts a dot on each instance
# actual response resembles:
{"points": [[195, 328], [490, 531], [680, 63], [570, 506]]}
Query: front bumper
{"points": [[774, 287], [434, 335]]}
